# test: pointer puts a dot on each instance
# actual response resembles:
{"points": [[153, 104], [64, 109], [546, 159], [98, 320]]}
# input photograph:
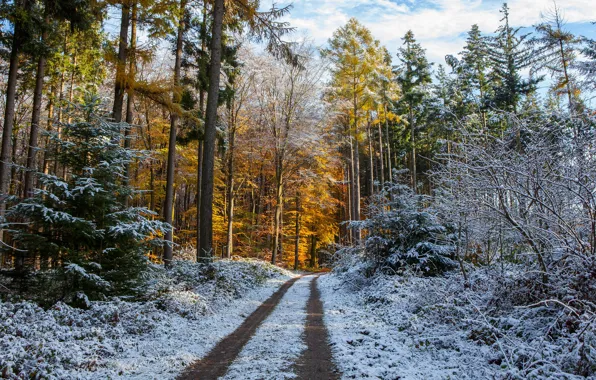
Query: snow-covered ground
{"points": [[154, 339], [390, 341], [410, 327], [278, 342]]}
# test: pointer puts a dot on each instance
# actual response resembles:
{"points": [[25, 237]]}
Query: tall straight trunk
{"points": [[35, 116], [120, 82], [210, 120], [130, 89], [371, 165], [61, 100], [151, 168], [278, 212], [353, 184], [51, 106], [381, 156], [313, 251], [356, 216], [413, 133], [259, 201], [132, 71], [297, 231], [230, 186], [9, 114], [200, 145], [168, 253], [200, 141], [348, 178], [72, 84]]}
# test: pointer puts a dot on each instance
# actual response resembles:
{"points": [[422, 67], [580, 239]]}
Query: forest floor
{"points": [[250, 320]]}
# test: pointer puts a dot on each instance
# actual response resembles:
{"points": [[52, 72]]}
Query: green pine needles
{"points": [[80, 223]]}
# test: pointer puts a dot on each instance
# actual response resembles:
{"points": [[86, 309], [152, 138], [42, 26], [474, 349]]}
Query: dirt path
{"points": [[217, 361], [316, 363]]}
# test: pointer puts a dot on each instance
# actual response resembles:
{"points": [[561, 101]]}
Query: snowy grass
{"points": [[185, 312], [278, 342], [410, 327]]}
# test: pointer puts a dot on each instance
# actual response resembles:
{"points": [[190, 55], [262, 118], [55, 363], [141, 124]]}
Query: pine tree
{"points": [[82, 223], [509, 55], [356, 56], [556, 50], [588, 68], [472, 75], [414, 75]]}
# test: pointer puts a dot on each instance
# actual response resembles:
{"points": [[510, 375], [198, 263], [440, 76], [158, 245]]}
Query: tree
{"points": [[80, 19], [509, 55], [355, 56], [20, 15], [262, 26], [588, 68], [556, 49], [171, 164], [414, 73], [82, 221], [472, 76], [288, 111], [403, 233]]}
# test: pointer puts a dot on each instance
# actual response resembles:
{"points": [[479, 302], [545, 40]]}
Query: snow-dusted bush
{"points": [[403, 232], [221, 278]]}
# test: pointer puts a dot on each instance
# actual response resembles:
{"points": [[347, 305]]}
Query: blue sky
{"points": [[439, 25]]}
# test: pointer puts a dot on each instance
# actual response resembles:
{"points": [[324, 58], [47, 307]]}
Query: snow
{"points": [[278, 342], [380, 331], [184, 317], [411, 327]]}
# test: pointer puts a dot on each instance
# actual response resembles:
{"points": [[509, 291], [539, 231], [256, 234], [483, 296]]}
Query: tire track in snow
{"points": [[316, 361], [278, 342], [217, 361]]}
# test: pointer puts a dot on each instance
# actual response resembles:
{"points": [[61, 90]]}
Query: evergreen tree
{"points": [[556, 50], [83, 220], [356, 56], [472, 76], [588, 68], [509, 55], [414, 74]]}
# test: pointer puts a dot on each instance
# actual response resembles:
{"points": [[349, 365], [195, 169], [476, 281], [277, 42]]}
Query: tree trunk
{"points": [[381, 156], [371, 165], [9, 115], [297, 230], [35, 116], [168, 253], [210, 120], [132, 69], [388, 139], [51, 106], [200, 142], [356, 215], [120, 82], [278, 212], [313, 251], [230, 186], [413, 138]]}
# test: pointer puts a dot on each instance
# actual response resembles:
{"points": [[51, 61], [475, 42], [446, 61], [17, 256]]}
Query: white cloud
{"points": [[440, 25]]}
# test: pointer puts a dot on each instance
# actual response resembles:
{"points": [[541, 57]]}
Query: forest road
{"points": [[315, 363]]}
